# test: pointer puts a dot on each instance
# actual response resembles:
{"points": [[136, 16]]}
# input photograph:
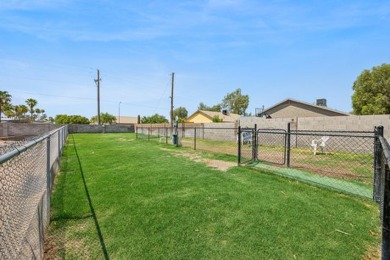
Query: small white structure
{"points": [[319, 142], [246, 138]]}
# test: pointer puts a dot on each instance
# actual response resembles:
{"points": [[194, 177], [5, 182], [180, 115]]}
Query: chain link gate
{"points": [[271, 146]]}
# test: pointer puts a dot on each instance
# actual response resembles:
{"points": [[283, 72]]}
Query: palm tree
{"points": [[20, 111], [5, 99], [31, 103], [9, 111], [39, 113]]}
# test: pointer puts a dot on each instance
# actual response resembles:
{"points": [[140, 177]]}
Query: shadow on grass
{"points": [[104, 249]]}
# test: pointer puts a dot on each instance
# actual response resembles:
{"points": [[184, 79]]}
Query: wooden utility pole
{"points": [[172, 85], [97, 81]]}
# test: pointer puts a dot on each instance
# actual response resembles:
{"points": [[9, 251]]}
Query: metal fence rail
{"points": [[382, 182], [26, 178]]}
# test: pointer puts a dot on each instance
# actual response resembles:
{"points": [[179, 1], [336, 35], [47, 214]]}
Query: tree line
{"points": [[234, 102], [30, 112], [27, 111], [105, 118]]}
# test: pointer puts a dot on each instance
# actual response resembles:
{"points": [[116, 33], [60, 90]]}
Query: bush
{"points": [[154, 119], [70, 119]]}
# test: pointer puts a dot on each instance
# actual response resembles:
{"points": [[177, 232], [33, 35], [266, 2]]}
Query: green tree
{"points": [[105, 118], [181, 113], [372, 91], [215, 108], [40, 114], [31, 103], [217, 119], [20, 111], [235, 102], [5, 101], [9, 110], [43, 117], [154, 119], [70, 119]]}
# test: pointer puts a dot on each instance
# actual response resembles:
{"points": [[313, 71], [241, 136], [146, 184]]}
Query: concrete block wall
{"points": [[25, 129], [334, 123], [80, 128], [262, 123], [35, 129], [213, 131]]}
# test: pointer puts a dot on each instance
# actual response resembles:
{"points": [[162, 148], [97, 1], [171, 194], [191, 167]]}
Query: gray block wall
{"points": [[335, 123], [8, 130], [75, 128], [25, 129]]}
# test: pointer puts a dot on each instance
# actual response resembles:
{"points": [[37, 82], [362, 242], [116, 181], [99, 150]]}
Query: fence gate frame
{"points": [[281, 132]]}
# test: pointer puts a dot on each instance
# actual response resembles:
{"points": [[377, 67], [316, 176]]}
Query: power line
{"points": [[161, 97]]}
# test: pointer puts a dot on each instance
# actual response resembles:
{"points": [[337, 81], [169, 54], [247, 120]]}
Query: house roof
{"points": [[290, 100], [127, 119], [231, 117]]}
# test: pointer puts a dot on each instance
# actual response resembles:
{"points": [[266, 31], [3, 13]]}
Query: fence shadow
{"points": [[101, 239]]}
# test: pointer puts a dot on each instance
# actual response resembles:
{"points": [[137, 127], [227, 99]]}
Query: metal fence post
{"points": [[377, 164], [288, 143], [195, 138], [254, 144], [48, 177], [166, 134], [386, 216], [239, 146], [59, 143], [148, 133]]}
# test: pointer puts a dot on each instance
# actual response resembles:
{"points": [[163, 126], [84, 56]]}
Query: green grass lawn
{"points": [[121, 198]]}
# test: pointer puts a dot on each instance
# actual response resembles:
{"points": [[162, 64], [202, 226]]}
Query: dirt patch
{"points": [[216, 164], [125, 140], [373, 253]]}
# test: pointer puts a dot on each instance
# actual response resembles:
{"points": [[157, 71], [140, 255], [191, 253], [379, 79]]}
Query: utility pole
{"points": [[97, 81], [172, 84], [119, 112]]}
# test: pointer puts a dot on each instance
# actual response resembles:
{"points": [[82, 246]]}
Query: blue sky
{"points": [[272, 50]]}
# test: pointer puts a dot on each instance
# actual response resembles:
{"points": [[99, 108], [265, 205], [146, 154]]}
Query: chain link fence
{"points": [[159, 134], [26, 177], [217, 140], [339, 160], [382, 187]]}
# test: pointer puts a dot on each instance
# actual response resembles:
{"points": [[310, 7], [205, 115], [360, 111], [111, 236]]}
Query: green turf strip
{"points": [[353, 188]]}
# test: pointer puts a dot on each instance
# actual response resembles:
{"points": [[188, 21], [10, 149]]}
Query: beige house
{"points": [[127, 120], [203, 116], [291, 108]]}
